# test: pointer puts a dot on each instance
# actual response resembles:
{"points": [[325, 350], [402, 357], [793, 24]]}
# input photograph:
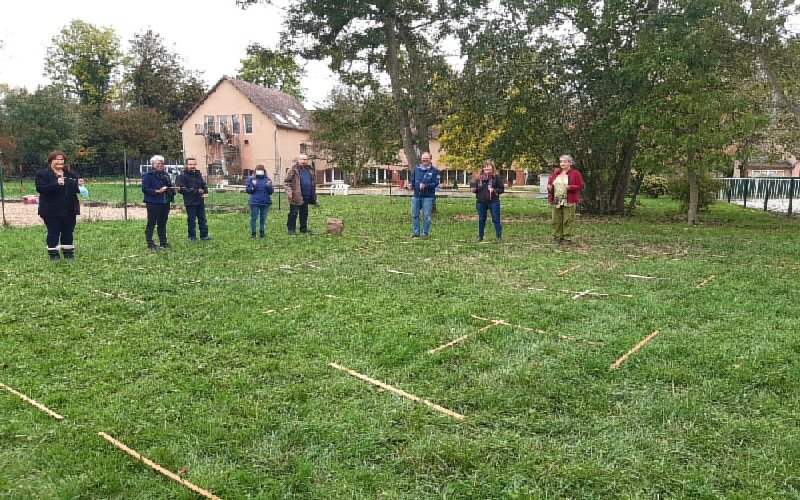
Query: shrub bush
{"points": [[654, 186], [708, 185]]}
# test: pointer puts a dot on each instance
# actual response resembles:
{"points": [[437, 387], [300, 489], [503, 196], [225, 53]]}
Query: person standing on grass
{"points": [[424, 181], [301, 190], [260, 188], [191, 185], [488, 187], [158, 196], [58, 205], [564, 194]]}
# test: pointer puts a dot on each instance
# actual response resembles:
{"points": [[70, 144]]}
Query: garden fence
{"points": [[769, 193]]}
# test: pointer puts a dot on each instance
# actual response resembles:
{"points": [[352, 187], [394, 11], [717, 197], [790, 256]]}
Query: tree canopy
{"points": [[272, 69]]}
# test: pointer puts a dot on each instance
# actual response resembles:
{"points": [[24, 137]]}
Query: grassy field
{"points": [[214, 358]]}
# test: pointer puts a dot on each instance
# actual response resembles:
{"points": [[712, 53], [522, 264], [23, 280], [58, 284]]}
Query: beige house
{"points": [[238, 125]]}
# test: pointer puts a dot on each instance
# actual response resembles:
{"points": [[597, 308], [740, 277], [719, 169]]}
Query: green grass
{"points": [[202, 375]]}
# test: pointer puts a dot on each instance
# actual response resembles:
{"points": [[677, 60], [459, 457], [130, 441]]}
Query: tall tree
{"points": [[155, 78], [35, 124], [271, 68], [355, 130], [365, 40], [83, 60]]}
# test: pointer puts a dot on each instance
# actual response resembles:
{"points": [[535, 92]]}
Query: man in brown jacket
{"points": [[301, 189]]}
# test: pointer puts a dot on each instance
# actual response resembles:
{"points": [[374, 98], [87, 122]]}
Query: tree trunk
{"points": [[694, 192], [637, 186], [418, 77], [393, 68], [619, 187]]}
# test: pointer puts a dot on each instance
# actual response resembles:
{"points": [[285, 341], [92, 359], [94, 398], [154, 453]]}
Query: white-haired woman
{"points": [[158, 196], [564, 194]]}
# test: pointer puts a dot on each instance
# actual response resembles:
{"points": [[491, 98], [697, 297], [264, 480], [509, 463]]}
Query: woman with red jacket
{"points": [[564, 194]]}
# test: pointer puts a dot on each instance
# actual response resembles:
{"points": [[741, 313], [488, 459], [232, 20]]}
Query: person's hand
{"points": [[81, 182], [201, 192], [422, 185], [205, 195], [161, 189], [255, 182], [61, 181], [549, 187]]}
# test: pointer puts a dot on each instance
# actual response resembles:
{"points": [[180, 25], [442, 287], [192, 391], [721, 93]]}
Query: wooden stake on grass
{"points": [[704, 283], [399, 272], [638, 346], [399, 392], [565, 271], [581, 294], [158, 468], [636, 276], [32, 402]]}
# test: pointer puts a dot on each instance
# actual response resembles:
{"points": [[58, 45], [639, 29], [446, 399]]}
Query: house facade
{"points": [[238, 125]]}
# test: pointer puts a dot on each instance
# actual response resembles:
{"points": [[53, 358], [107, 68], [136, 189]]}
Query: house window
{"points": [[210, 124], [303, 148], [248, 124], [235, 123], [223, 124]]}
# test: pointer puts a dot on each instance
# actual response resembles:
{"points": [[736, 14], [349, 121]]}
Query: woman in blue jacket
{"points": [[260, 188], [158, 196]]}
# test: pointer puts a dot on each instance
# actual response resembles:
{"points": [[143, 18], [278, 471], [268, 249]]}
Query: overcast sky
{"points": [[210, 35]]}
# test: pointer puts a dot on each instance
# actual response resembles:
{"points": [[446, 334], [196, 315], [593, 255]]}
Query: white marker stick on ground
{"points": [[707, 280], [638, 346], [399, 392], [138, 456], [32, 402]]}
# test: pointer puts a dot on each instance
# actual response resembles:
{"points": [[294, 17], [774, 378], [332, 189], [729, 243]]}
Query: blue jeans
{"points": [[198, 213], [494, 208], [258, 212], [426, 205]]}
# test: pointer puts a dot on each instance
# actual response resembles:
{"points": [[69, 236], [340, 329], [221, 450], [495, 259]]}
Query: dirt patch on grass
{"points": [[21, 215]]}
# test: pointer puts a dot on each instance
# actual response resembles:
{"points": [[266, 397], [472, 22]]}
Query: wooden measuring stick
{"points": [[450, 344], [704, 283], [158, 468], [581, 294], [399, 272], [31, 401], [565, 271], [399, 392], [643, 277], [638, 346]]}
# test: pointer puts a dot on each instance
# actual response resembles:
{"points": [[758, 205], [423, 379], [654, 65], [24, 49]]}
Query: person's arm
{"points": [[45, 184], [147, 185], [576, 182], [183, 186], [435, 180], [288, 181], [203, 186], [250, 187], [270, 187], [499, 185]]}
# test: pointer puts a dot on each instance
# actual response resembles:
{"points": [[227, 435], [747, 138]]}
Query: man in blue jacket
{"points": [[194, 190], [424, 181]]}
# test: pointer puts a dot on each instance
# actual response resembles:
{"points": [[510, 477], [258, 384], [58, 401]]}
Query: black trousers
{"points": [[60, 229], [157, 215], [294, 210]]}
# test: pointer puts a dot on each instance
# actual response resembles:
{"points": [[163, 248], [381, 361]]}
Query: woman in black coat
{"points": [[58, 205]]}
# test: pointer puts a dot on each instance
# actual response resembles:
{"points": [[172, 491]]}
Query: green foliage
{"points": [[709, 186], [356, 130], [32, 125], [83, 61], [273, 69], [155, 78], [654, 186]]}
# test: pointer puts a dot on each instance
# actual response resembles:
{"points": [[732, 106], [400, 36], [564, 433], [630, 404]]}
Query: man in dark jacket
{"points": [[424, 181], [194, 190], [301, 189]]}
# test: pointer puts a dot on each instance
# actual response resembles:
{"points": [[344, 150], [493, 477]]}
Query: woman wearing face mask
{"points": [[488, 186], [260, 188]]}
